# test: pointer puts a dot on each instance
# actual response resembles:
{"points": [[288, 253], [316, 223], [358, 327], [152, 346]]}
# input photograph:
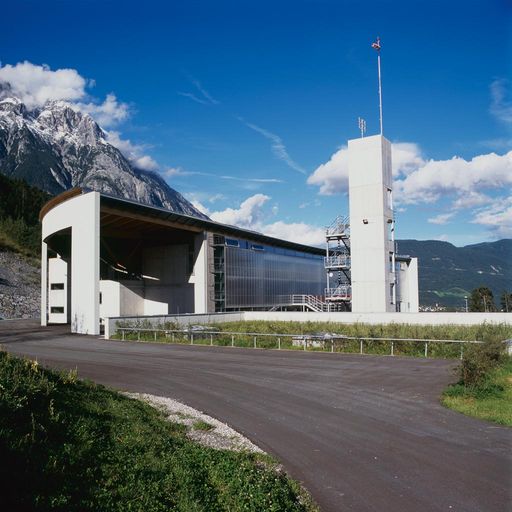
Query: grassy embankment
{"points": [[66, 444], [416, 349], [484, 388]]}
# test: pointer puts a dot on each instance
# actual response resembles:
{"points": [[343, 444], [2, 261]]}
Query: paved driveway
{"points": [[362, 433]]}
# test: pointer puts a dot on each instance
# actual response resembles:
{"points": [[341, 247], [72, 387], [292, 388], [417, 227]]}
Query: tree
{"points": [[506, 302], [481, 299]]}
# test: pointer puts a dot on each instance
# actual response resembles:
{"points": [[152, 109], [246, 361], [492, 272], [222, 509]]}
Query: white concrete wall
{"points": [[200, 275], [82, 215], [57, 298], [383, 318], [371, 221], [167, 287], [341, 318], [407, 286], [121, 298]]}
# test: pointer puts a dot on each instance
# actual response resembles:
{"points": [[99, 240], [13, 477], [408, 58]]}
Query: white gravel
{"points": [[220, 436]]}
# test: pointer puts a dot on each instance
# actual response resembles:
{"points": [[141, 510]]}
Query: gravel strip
{"points": [[219, 435]]}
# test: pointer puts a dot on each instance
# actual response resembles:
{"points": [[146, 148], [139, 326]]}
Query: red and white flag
{"points": [[376, 45]]}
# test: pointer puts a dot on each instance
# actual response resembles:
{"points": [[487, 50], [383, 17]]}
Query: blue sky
{"points": [[242, 105]]}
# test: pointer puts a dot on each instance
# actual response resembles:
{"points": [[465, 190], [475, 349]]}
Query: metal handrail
{"points": [[340, 260], [302, 337]]}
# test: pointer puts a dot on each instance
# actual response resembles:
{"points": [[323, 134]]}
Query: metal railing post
{"points": [[155, 335], [392, 348], [305, 344], [278, 343], [332, 346], [191, 339], [232, 340], [122, 332], [360, 346], [172, 337], [426, 349], [211, 340], [461, 350], [254, 341], [138, 335]]}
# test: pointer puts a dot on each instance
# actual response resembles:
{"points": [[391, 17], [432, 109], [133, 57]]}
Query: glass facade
{"points": [[252, 275]]}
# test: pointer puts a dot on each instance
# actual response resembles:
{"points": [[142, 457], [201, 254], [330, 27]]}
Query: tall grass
{"points": [[268, 336]]}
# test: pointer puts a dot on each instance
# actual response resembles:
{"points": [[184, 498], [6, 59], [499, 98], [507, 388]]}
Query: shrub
{"points": [[478, 361]]}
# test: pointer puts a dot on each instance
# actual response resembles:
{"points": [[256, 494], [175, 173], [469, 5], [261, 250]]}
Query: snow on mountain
{"points": [[57, 147]]}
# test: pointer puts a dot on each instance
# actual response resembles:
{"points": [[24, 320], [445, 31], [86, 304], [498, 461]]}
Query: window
{"points": [[101, 298], [256, 247], [55, 309], [57, 286], [231, 242]]}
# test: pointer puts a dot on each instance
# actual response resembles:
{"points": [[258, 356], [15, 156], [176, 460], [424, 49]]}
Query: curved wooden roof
{"points": [[54, 201]]}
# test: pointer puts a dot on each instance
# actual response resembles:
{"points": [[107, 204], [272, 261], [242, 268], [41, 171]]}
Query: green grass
{"points": [[491, 400], [202, 425], [71, 445], [415, 349]]}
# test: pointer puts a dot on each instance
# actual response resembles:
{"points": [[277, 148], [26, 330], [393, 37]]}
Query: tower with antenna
{"points": [[371, 218]]}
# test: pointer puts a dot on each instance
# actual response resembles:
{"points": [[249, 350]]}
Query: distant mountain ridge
{"points": [[448, 273], [57, 147]]}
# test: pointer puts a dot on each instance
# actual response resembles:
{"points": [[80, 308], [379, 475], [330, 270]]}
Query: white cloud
{"points": [[501, 104], [456, 176], [134, 152], [277, 145], [251, 215], [496, 217], [35, 85], [110, 112], [332, 177], [247, 216], [298, 232], [443, 218], [471, 200], [424, 181]]}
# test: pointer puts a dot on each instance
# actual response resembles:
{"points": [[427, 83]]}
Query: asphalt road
{"points": [[362, 433]]}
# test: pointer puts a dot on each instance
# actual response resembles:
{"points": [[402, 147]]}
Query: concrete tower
{"points": [[371, 225]]}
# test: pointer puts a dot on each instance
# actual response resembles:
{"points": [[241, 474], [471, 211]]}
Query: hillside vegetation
{"points": [[71, 445], [20, 204]]}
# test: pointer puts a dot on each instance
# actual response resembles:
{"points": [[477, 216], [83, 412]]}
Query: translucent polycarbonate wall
{"points": [[257, 276]]}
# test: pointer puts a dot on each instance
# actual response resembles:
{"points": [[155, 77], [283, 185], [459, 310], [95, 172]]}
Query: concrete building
{"points": [[104, 256]]}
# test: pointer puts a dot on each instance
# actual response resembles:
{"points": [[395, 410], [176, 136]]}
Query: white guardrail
{"points": [[307, 341]]}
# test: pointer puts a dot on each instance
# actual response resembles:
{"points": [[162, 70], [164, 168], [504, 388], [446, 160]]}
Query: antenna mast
{"points": [[362, 126], [377, 46]]}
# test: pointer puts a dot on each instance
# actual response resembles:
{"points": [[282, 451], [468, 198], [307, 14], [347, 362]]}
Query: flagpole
{"points": [[376, 46], [380, 92]]}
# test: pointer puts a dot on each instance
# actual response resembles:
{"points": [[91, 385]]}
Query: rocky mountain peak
{"points": [[57, 147]]}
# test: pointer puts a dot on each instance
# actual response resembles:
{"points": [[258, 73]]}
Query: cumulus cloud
{"points": [[497, 217], [35, 85], [456, 176], [110, 112], [248, 215], [443, 218], [418, 180], [134, 152], [501, 103], [251, 215], [332, 176]]}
